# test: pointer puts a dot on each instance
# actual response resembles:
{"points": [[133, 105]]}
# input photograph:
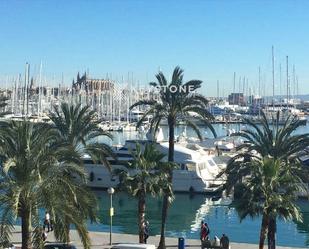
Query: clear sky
{"points": [[209, 39]]}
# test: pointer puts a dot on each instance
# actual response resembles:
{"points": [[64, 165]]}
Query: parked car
{"points": [[59, 246], [133, 246]]}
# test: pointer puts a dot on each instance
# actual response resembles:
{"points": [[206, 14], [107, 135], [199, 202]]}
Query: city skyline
{"points": [[209, 40]]}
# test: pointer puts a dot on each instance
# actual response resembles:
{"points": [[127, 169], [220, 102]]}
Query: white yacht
{"points": [[196, 173]]}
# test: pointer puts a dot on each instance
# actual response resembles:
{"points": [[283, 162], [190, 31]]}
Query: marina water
{"points": [[187, 211]]}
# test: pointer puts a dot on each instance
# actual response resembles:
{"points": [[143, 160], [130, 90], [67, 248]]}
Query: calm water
{"points": [[221, 130], [187, 211]]}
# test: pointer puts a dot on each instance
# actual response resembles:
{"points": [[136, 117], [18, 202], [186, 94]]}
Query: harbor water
{"points": [[220, 129], [188, 211]]}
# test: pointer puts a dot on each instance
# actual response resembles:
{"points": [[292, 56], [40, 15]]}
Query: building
{"points": [[236, 99], [91, 86]]}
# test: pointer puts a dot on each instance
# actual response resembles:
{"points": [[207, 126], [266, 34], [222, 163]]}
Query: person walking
{"points": [[146, 231], [204, 231], [51, 223], [44, 235], [224, 242], [47, 221], [207, 231]]}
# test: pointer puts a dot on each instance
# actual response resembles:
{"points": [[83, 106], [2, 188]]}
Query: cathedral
{"points": [[91, 86]]}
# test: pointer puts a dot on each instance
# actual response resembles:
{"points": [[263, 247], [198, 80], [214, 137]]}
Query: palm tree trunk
{"points": [[171, 126], [26, 228], [141, 217], [67, 230], [171, 138], [163, 222], [263, 232], [272, 229]]}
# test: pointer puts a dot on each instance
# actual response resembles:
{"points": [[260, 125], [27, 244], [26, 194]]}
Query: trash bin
{"points": [[181, 243]]}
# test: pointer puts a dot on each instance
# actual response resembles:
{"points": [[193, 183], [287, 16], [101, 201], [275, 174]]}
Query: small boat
{"points": [[129, 127], [115, 127]]}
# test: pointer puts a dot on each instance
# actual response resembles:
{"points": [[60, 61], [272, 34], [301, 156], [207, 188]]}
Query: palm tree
{"points": [[143, 177], [177, 101], [267, 140], [270, 191], [34, 175], [77, 127]]}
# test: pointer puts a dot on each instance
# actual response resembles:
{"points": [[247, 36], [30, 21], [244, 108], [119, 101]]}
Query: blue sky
{"points": [[209, 39]]}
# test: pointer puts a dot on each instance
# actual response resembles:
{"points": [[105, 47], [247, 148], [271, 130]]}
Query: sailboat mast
{"points": [[218, 90], [280, 81], [60, 85], [13, 95], [25, 90], [234, 89], [287, 81], [259, 81], [40, 89], [294, 83], [273, 74], [297, 89], [260, 92]]}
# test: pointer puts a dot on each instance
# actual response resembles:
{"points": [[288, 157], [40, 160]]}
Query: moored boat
{"points": [[197, 170]]}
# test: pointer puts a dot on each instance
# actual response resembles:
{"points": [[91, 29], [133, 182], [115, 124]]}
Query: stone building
{"points": [[91, 86]]}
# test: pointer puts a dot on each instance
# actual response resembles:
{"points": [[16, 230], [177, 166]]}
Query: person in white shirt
{"points": [[47, 221]]}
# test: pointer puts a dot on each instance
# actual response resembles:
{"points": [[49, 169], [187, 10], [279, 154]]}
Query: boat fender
{"points": [[91, 176], [191, 192]]}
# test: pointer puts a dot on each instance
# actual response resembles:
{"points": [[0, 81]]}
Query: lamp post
{"points": [[111, 191]]}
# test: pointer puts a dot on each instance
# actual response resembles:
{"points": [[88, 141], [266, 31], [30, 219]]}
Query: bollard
{"points": [[181, 243]]}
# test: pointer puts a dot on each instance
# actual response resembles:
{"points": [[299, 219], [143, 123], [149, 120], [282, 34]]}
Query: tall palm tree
{"points": [[177, 101], [145, 175], [268, 139], [77, 127], [270, 191], [34, 175]]}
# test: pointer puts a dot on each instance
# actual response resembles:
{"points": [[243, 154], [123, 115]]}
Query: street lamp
{"points": [[111, 191]]}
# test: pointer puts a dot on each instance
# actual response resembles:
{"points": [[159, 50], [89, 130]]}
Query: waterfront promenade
{"points": [[100, 240]]}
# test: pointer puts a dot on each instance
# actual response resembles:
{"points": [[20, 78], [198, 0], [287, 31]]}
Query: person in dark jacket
{"points": [[146, 231]]}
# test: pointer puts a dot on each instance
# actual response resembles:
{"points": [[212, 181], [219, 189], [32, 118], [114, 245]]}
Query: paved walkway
{"points": [[100, 240]]}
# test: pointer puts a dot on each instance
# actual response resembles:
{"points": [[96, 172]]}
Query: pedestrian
{"points": [[224, 242], [216, 241], [47, 221], [146, 231], [207, 230], [203, 233], [217, 150], [44, 235], [51, 222]]}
